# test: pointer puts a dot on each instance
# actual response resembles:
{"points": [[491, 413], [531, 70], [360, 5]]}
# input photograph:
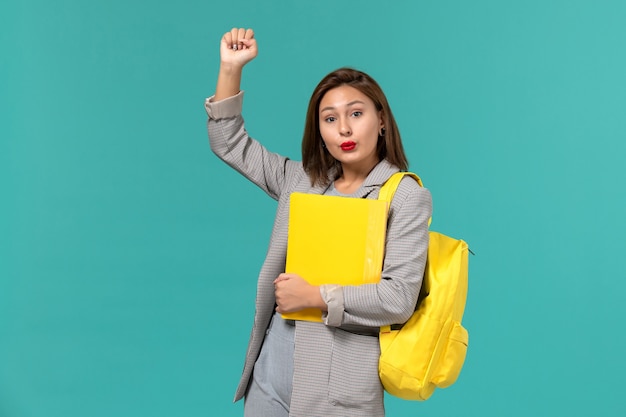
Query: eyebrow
{"points": [[347, 105]]}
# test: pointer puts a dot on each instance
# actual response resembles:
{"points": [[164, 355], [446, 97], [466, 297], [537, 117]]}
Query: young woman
{"points": [[351, 146]]}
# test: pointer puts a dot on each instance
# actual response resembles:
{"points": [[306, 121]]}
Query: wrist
{"points": [[316, 299], [228, 81], [230, 69]]}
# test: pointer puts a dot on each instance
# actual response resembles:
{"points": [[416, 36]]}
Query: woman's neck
{"points": [[352, 177]]}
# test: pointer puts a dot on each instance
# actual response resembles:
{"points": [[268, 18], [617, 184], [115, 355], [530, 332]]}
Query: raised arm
{"points": [[238, 47], [228, 137]]}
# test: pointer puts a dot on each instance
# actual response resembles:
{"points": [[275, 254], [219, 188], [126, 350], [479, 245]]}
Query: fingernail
{"points": [[234, 46]]}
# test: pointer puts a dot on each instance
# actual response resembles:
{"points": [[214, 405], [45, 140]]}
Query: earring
{"points": [[382, 132]]}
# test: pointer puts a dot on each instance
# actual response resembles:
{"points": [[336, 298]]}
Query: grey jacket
{"points": [[335, 371]]}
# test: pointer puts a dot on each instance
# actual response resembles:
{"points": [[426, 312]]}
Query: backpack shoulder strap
{"points": [[386, 193], [389, 188]]}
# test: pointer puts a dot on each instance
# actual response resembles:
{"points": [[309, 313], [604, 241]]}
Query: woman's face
{"points": [[350, 125]]}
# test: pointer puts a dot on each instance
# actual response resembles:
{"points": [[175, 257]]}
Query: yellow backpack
{"points": [[428, 351]]}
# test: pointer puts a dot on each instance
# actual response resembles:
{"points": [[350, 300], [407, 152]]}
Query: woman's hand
{"points": [[238, 47], [293, 293]]}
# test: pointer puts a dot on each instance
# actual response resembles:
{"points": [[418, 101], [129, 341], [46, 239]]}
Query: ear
{"points": [[381, 116]]}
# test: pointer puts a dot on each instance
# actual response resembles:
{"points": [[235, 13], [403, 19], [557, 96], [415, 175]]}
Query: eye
{"points": [[330, 119], [357, 113]]}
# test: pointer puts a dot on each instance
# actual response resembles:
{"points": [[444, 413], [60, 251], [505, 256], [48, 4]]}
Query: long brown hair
{"points": [[316, 159]]}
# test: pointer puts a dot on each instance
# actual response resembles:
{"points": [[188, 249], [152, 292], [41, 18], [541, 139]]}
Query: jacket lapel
{"points": [[376, 178]]}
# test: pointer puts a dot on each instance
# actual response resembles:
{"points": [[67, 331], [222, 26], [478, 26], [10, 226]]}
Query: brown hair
{"points": [[316, 159]]}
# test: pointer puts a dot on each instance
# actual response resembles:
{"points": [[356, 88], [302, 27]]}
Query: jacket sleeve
{"points": [[229, 140], [393, 299]]}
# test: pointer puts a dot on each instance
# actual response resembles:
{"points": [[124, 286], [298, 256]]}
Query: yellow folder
{"points": [[335, 240]]}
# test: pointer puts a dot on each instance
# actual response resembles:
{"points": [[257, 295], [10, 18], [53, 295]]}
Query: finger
{"points": [[241, 34], [227, 39], [237, 44], [248, 43], [248, 35], [281, 277], [234, 38]]}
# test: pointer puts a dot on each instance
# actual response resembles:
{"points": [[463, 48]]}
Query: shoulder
{"points": [[295, 172], [411, 199], [410, 189]]}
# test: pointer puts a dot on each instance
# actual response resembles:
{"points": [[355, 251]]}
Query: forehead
{"points": [[343, 96]]}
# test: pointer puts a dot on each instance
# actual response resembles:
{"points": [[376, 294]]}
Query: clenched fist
{"points": [[238, 47]]}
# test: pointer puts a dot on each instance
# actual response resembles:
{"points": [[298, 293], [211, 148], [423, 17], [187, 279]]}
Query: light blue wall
{"points": [[127, 287]]}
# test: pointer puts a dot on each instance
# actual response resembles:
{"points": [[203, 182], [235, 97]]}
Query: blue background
{"points": [[127, 284]]}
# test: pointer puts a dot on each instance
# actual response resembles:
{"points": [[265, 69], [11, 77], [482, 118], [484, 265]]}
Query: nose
{"points": [[344, 128]]}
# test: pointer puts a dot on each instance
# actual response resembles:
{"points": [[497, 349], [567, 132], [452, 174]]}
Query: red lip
{"points": [[348, 146]]}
